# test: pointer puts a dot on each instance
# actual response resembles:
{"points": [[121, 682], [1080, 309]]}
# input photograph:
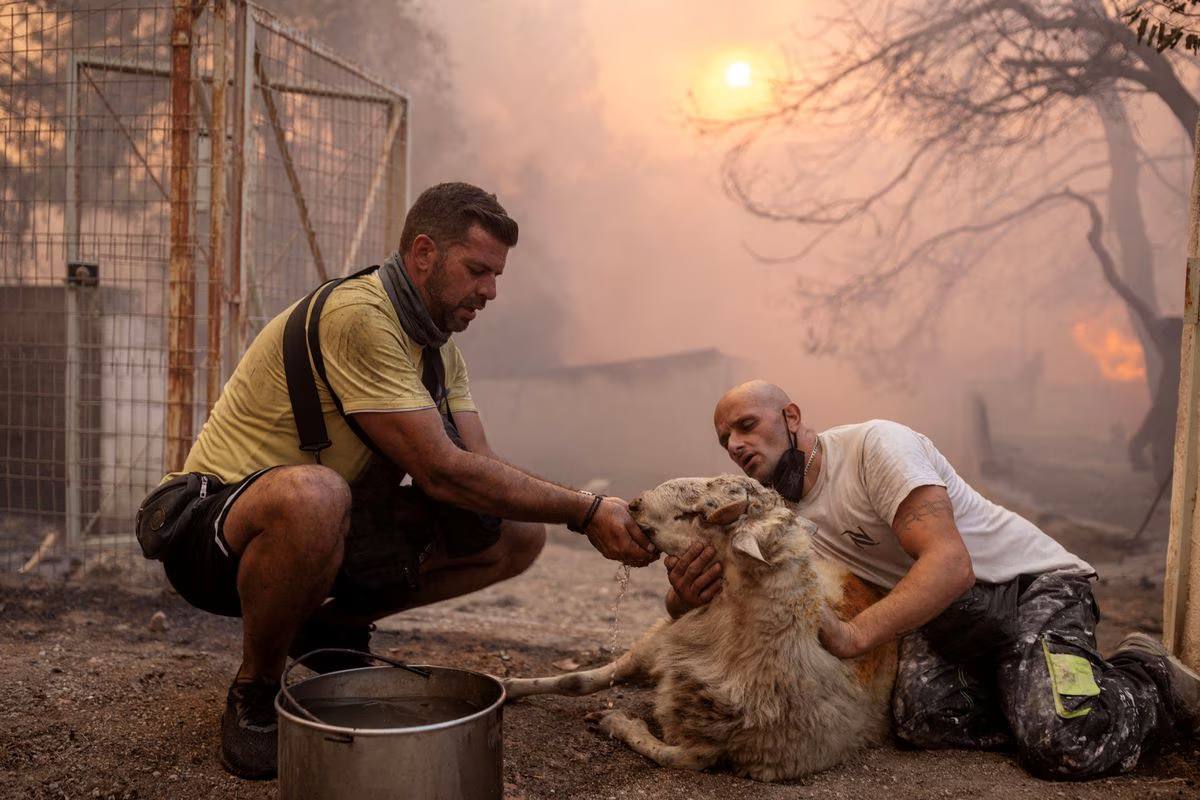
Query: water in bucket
{"points": [[391, 712]]}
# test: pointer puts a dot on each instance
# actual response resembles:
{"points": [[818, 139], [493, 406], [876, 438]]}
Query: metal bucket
{"points": [[459, 758]]}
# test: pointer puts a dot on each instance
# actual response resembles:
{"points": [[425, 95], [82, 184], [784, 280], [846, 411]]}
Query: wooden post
{"points": [[1181, 590], [181, 333], [216, 239]]}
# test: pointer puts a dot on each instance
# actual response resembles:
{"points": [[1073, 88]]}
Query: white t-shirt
{"points": [[867, 471]]}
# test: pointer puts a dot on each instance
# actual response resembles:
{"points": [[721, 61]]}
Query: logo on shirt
{"points": [[860, 538]]}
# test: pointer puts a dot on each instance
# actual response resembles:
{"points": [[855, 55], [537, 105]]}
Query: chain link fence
{"points": [[172, 175]]}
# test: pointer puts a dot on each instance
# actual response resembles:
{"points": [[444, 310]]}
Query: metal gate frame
{"points": [[230, 197]]}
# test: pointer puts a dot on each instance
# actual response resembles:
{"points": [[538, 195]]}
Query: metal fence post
{"points": [[216, 239], [181, 333], [243, 94], [74, 346]]}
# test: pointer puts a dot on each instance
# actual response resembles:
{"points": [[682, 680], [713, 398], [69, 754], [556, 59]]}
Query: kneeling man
{"points": [[997, 618]]}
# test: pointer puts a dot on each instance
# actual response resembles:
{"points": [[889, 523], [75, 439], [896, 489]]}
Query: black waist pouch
{"points": [[167, 511]]}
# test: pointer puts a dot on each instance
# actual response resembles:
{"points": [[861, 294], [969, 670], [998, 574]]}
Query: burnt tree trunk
{"points": [[1135, 256]]}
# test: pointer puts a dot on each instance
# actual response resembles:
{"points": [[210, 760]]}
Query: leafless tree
{"points": [[999, 98]]}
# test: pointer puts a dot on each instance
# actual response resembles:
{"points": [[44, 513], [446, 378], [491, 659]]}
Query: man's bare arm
{"points": [[470, 428], [417, 441], [941, 572]]}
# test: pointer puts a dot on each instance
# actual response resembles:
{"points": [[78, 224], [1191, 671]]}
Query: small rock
{"points": [[566, 664], [158, 622]]}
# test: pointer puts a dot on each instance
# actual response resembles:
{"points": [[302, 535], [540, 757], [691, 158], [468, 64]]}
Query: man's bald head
{"points": [[752, 422], [757, 393]]}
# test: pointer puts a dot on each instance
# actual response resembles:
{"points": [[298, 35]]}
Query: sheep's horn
{"points": [[727, 513]]}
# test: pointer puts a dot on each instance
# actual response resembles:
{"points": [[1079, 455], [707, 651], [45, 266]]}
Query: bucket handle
{"points": [[285, 688]]}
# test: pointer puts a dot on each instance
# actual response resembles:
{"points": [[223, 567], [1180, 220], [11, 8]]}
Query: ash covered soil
{"points": [[96, 704]]}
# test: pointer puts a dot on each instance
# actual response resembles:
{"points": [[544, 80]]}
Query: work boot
{"points": [[318, 633], [250, 730], [1184, 682]]}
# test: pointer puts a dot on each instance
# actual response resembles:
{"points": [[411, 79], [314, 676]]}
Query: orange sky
{"points": [[574, 114]]}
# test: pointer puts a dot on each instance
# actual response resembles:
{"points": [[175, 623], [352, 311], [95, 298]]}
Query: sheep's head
{"points": [[733, 513]]}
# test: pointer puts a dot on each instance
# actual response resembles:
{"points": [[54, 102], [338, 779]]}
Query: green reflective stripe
{"points": [[1070, 676]]}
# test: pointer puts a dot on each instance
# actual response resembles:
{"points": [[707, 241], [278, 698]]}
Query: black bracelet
{"points": [[588, 517]]}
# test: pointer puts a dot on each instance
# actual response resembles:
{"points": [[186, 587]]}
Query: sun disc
{"points": [[737, 75]]}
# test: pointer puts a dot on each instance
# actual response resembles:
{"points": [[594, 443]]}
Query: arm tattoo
{"points": [[923, 512]]}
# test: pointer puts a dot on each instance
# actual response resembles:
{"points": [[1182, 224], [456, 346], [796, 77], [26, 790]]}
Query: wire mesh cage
{"points": [[172, 175]]}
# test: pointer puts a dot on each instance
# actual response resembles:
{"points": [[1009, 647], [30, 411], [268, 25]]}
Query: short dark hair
{"points": [[446, 212]]}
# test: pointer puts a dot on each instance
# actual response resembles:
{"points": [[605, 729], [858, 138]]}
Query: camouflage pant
{"points": [[1016, 664]]}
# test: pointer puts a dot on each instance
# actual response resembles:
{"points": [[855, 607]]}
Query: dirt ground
{"points": [[95, 704]]}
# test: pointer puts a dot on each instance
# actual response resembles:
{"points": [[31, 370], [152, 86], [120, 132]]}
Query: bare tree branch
{"points": [[1095, 240]]}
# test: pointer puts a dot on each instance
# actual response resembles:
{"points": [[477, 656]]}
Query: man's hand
{"points": [[614, 533], [839, 638], [695, 578]]}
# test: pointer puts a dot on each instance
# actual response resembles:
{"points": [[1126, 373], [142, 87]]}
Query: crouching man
{"points": [[997, 618], [290, 511]]}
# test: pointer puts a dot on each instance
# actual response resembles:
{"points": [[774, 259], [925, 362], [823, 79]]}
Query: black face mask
{"points": [[788, 477]]}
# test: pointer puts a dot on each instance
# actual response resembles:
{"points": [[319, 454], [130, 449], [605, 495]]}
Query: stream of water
{"points": [[622, 578]]}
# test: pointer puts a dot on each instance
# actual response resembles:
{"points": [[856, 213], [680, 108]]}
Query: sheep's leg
{"points": [[633, 732], [633, 664]]}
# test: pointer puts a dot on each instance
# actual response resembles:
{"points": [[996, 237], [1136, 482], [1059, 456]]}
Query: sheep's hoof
{"points": [[608, 720], [594, 717]]}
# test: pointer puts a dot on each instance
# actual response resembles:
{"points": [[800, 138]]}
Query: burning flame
{"points": [[1119, 357]]}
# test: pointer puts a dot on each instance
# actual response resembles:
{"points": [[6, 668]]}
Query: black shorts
{"points": [[392, 531], [200, 563]]}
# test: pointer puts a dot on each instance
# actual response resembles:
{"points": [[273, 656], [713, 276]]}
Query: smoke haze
{"points": [[575, 114]]}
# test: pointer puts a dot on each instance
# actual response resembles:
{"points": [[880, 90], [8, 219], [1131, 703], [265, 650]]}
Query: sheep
{"points": [[742, 682]]}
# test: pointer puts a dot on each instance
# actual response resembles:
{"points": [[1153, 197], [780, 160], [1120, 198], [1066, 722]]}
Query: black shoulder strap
{"points": [[302, 340], [433, 376], [299, 341], [318, 358], [302, 389]]}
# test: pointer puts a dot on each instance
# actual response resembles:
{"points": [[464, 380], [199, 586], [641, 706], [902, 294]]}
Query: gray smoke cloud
{"points": [[574, 115]]}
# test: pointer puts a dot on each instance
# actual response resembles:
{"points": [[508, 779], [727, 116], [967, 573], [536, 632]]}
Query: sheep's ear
{"points": [[727, 513], [745, 542]]}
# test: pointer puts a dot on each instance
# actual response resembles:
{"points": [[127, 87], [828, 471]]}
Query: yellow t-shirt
{"points": [[372, 365]]}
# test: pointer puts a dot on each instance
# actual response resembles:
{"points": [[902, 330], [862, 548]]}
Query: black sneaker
{"points": [[1184, 681], [317, 633], [249, 729]]}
